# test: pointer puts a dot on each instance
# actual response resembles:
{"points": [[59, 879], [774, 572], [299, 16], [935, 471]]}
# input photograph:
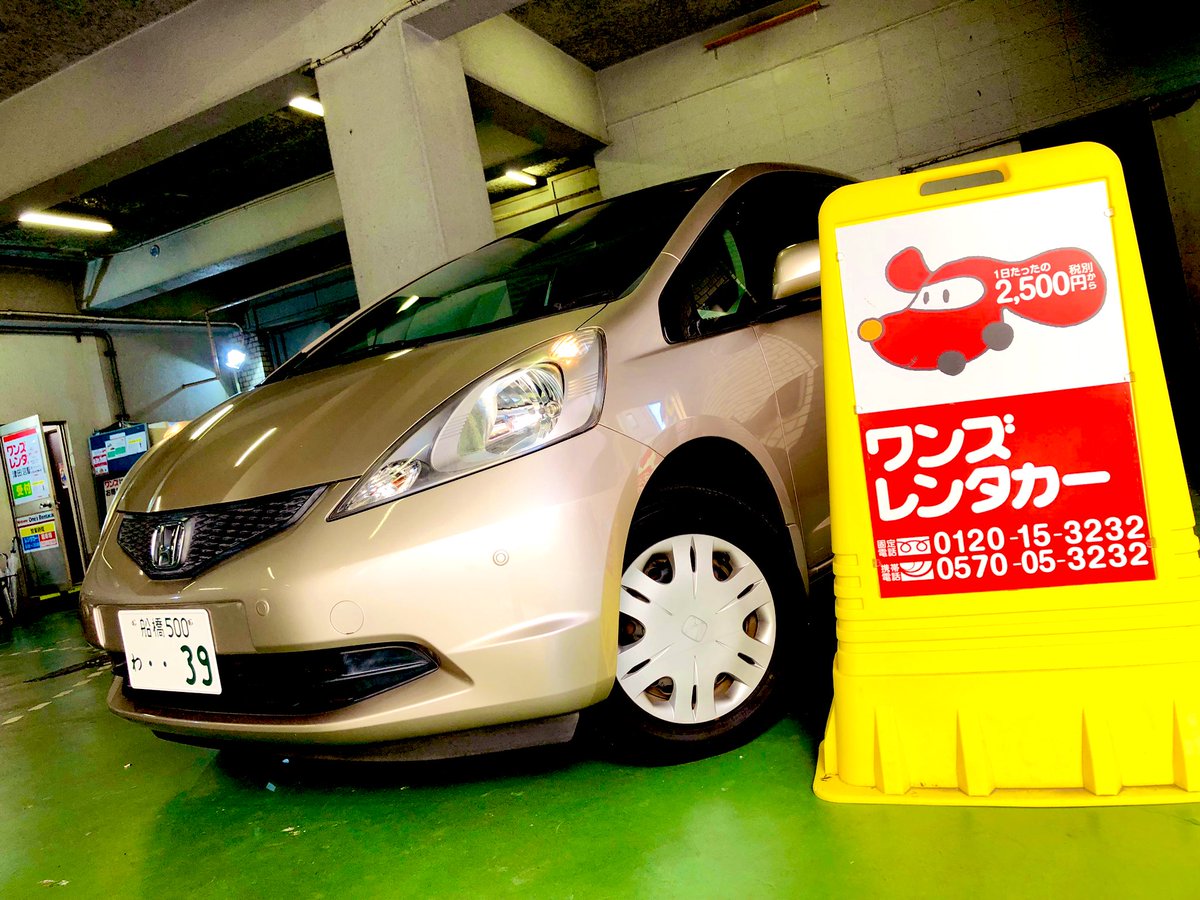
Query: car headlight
{"points": [[550, 393]]}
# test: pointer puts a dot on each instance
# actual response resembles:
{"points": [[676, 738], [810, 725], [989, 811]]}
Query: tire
{"points": [[725, 626], [951, 362], [998, 335]]}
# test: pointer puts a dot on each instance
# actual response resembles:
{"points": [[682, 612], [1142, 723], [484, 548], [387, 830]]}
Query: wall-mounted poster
{"points": [[26, 465]]}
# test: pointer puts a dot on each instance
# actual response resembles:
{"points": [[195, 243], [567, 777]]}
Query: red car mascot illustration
{"points": [[957, 311]]}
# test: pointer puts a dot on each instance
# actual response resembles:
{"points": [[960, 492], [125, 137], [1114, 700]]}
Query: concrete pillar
{"points": [[405, 157]]}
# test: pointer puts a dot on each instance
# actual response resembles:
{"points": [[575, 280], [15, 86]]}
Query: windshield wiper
{"points": [[577, 301]]}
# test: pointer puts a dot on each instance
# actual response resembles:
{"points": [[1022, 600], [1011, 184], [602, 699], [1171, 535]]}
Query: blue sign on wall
{"points": [[114, 452]]}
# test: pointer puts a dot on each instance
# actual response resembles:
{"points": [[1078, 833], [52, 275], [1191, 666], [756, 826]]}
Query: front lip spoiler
{"points": [[475, 742]]}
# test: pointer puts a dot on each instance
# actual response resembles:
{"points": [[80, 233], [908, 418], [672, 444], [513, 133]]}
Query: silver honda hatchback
{"points": [[583, 466]]}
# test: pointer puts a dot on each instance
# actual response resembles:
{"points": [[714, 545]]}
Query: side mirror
{"points": [[797, 270]]}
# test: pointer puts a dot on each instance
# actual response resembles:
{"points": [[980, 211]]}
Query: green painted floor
{"points": [[96, 807]]}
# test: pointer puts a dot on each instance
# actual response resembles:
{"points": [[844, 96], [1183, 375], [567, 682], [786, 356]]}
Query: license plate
{"points": [[170, 650]]}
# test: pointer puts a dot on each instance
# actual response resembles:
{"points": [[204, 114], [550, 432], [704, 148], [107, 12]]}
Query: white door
{"points": [[28, 475]]}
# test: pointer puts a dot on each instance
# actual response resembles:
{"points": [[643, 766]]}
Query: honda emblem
{"points": [[169, 544]]}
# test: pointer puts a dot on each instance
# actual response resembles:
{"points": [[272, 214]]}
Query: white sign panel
{"points": [[24, 461], [959, 304]]}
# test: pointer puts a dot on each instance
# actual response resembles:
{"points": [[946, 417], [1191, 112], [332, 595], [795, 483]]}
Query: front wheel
{"points": [[704, 625]]}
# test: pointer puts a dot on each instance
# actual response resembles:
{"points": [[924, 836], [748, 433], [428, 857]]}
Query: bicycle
{"points": [[8, 585]]}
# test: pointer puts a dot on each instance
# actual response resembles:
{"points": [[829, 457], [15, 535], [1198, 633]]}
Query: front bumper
{"points": [[508, 578]]}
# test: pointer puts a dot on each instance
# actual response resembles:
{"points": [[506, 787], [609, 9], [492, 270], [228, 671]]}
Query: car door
{"points": [[786, 205], [723, 286], [718, 381]]}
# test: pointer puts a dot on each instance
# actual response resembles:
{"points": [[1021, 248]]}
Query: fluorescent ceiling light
{"points": [[74, 223], [522, 177], [308, 104]]}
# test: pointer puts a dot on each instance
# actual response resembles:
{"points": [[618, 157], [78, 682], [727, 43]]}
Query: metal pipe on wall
{"points": [[13, 321], [110, 353], [112, 321]]}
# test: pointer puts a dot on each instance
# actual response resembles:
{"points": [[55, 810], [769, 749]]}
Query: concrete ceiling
{"points": [[259, 158], [40, 37], [600, 33], [269, 154]]}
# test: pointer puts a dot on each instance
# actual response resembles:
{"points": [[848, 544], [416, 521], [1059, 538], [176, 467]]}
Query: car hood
{"points": [[323, 426]]}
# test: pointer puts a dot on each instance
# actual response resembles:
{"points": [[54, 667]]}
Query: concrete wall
{"points": [[30, 290], [1178, 138], [865, 87], [155, 366], [59, 380], [63, 379], [53, 376]]}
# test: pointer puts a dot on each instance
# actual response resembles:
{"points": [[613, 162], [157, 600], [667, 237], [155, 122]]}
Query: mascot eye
{"points": [[956, 293]]}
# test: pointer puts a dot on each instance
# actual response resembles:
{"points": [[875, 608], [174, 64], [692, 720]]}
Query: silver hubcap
{"points": [[697, 628]]}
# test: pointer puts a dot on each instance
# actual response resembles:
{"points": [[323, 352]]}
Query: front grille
{"points": [[184, 542], [291, 684]]}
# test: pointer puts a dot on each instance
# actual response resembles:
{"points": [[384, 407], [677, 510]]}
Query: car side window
{"points": [[710, 290], [717, 278], [724, 280]]}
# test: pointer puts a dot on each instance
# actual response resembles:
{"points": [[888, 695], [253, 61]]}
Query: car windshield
{"points": [[589, 256]]}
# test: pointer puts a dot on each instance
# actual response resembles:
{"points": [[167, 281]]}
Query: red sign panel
{"points": [[16, 452], [1035, 490]]}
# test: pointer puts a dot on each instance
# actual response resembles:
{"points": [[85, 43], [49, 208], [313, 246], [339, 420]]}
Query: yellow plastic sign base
{"points": [[1015, 570], [1081, 737]]}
